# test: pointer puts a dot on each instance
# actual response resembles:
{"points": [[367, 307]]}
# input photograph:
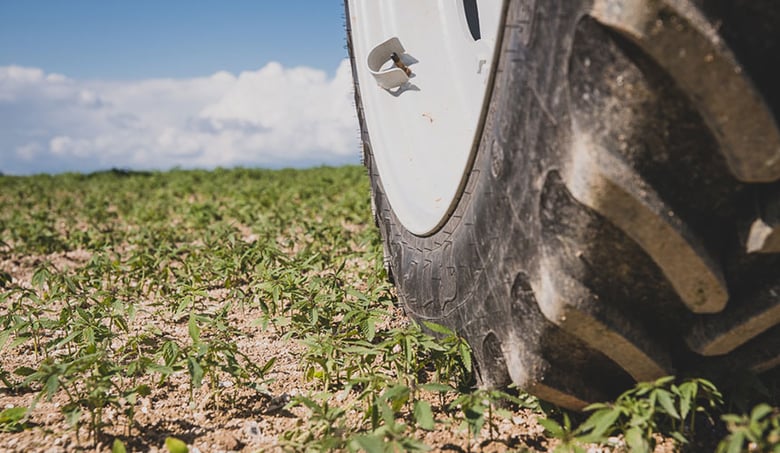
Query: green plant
{"points": [[658, 407], [481, 407], [174, 445], [451, 356], [325, 428], [12, 419], [140, 283], [568, 442], [759, 431], [164, 247], [391, 435], [118, 446]]}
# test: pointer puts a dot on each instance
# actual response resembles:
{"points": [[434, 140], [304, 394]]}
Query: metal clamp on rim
{"points": [[392, 77]]}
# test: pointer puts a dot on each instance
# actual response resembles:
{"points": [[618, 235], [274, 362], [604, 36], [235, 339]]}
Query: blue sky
{"points": [[88, 84]]}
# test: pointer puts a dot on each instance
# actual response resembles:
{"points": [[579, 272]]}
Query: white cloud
{"points": [[274, 116]]}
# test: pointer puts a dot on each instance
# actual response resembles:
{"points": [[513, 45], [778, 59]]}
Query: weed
{"points": [[12, 419], [650, 408], [481, 407], [100, 332], [759, 431], [143, 281], [567, 437]]}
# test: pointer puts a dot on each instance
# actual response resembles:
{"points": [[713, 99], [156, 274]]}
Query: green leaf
{"points": [[465, 356], [665, 399], [175, 445], [760, 411], [438, 328], [423, 415], [40, 276], [503, 413], [370, 329], [24, 371], [436, 387], [596, 406], [475, 423], [12, 419], [161, 369], [4, 336], [676, 435], [600, 424], [635, 441], [552, 427], [52, 385], [12, 414], [196, 371], [118, 447], [72, 415], [5, 277], [397, 396], [193, 329], [731, 418], [733, 444], [360, 350], [369, 443], [660, 382], [687, 392]]}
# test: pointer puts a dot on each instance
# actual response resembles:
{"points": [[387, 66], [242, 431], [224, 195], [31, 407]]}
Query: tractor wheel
{"points": [[600, 204]]}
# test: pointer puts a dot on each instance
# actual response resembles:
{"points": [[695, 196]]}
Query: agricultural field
{"points": [[248, 310]]}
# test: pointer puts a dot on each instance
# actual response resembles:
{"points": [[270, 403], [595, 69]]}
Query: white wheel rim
{"points": [[424, 133]]}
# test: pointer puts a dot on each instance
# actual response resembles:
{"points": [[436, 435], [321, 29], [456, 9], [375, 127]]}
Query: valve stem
{"points": [[397, 60]]}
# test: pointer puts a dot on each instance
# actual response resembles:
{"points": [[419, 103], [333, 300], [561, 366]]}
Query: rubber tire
{"points": [[602, 233]]}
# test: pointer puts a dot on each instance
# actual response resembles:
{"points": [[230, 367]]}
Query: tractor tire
{"points": [[620, 220]]}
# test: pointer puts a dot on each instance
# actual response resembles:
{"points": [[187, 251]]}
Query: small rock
{"points": [[252, 430], [277, 403], [227, 441]]}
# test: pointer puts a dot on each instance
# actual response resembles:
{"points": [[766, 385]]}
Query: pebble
{"points": [[228, 441], [276, 403], [252, 430]]}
